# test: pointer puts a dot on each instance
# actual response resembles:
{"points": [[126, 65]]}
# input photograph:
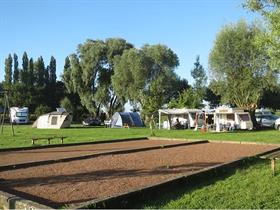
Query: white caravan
{"points": [[19, 115], [232, 118], [186, 117]]}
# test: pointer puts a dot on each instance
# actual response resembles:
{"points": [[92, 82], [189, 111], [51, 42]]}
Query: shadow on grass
{"points": [[165, 196]]}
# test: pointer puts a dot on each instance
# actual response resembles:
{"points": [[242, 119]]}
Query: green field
{"points": [[24, 133], [251, 187]]}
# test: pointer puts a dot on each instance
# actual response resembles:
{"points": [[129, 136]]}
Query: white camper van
{"points": [[232, 118], [19, 115]]}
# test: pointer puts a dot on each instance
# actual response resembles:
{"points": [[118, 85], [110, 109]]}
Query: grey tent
{"points": [[131, 119]]}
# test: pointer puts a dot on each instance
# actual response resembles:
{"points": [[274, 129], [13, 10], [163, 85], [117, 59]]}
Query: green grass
{"points": [[250, 188], [24, 133]]}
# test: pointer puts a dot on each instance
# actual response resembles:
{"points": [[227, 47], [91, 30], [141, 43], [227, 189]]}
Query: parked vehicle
{"points": [[91, 122], [277, 124], [226, 118], [267, 120], [19, 115]]}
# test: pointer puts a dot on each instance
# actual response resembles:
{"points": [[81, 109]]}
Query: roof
{"points": [[178, 111]]}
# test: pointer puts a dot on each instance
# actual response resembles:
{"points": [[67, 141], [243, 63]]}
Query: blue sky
{"points": [[56, 27]]}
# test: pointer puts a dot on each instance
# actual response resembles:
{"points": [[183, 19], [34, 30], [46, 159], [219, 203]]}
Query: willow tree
{"points": [[90, 71], [238, 67], [146, 76]]}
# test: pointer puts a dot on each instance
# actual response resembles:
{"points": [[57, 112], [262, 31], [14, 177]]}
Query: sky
{"points": [[56, 27]]}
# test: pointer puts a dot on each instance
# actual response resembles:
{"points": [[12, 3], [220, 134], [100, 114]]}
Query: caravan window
{"points": [[230, 117], [54, 121], [244, 117]]}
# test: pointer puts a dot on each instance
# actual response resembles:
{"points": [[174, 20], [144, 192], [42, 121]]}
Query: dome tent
{"points": [[131, 119]]}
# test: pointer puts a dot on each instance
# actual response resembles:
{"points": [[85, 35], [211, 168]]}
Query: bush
{"points": [[42, 109]]}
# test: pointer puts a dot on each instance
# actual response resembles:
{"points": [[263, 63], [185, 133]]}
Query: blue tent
{"points": [[131, 119]]}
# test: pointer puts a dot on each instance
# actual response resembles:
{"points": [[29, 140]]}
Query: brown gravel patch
{"points": [[54, 153], [103, 176]]}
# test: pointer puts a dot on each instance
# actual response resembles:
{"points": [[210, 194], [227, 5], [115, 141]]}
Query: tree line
{"points": [[104, 75], [33, 84]]}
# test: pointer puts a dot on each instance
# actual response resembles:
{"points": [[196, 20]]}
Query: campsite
{"points": [[156, 104]]}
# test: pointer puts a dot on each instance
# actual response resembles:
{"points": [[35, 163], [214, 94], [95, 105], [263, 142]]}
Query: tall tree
{"points": [[199, 75], [8, 71], [146, 76], [239, 68], [24, 71], [91, 71], [270, 41], [16, 70], [31, 72], [52, 71], [39, 72]]}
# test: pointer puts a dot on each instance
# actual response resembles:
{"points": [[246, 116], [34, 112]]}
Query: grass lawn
{"points": [[24, 133], [251, 188]]}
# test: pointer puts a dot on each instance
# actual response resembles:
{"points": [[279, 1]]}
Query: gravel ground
{"points": [[97, 178]]}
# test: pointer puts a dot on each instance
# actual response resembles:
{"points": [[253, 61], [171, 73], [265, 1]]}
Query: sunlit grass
{"points": [[24, 133]]}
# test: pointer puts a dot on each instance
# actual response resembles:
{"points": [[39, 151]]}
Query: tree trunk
{"points": [[253, 118]]}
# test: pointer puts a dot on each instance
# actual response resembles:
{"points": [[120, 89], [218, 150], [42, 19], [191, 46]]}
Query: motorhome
{"points": [[19, 115], [232, 118]]}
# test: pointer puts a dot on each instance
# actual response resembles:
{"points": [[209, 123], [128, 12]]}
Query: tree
{"points": [[31, 73], [189, 98], [8, 71], [39, 71], [90, 73], [239, 68], [199, 75], [16, 70], [146, 76], [23, 74], [52, 71], [270, 11]]}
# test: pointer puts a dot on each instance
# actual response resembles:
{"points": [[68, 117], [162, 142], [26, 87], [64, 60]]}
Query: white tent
{"points": [[185, 116], [55, 120]]}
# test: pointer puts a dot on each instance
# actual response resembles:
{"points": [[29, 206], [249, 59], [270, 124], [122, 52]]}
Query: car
{"points": [[91, 122], [267, 120], [277, 124]]}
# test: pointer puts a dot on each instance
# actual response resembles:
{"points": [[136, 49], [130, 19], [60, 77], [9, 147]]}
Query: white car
{"points": [[277, 124]]}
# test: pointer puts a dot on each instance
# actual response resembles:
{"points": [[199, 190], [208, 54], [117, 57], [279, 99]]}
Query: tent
{"points": [[55, 120], [131, 119], [186, 117]]}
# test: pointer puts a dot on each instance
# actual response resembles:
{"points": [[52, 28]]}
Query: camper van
{"points": [[19, 115], [232, 118]]}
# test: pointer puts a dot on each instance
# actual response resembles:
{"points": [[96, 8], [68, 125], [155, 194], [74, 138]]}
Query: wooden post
{"points": [[273, 166]]}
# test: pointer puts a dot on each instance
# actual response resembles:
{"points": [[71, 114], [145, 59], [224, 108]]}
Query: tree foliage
{"points": [[270, 10], [239, 68], [90, 72], [146, 76], [199, 75], [16, 70], [8, 72]]}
